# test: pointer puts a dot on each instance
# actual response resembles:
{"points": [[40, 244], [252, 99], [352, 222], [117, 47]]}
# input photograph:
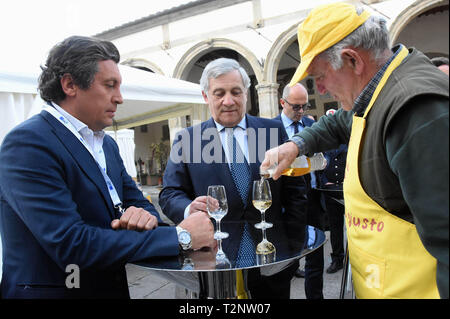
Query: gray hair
{"points": [[220, 66], [372, 35]]}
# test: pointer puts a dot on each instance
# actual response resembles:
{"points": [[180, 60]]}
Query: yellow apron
{"points": [[387, 257]]}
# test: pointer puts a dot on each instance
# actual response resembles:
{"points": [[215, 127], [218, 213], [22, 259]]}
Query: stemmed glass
{"points": [[265, 251], [222, 262], [262, 200], [217, 206]]}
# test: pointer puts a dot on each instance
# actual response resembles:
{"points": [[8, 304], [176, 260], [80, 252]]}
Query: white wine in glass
{"points": [[262, 200], [265, 251], [216, 203]]}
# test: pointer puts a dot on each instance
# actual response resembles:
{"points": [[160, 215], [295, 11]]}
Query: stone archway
{"points": [[279, 47], [143, 64], [190, 57], [268, 89], [282, 61], [411, 12]]}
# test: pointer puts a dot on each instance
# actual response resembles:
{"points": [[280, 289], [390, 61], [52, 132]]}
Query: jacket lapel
{"points": [[253, 150], [82, 156]]}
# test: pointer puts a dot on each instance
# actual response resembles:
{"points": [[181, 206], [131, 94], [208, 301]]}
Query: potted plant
{"points": [[158, 155]]}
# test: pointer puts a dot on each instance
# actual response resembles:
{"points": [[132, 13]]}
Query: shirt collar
{"points": [[77, 124], [287, 121], [363, 100], [242, 124]]}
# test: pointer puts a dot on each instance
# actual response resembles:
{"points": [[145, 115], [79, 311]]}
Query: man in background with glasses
{"points": [[294, 102]]}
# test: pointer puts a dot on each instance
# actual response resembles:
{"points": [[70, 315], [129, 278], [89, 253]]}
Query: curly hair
{"points": [[77, 56]]}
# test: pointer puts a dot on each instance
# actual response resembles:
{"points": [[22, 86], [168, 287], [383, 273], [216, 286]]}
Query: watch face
{"points": [[185, 238]]}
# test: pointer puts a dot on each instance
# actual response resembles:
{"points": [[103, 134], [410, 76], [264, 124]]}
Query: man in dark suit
{"points": [[203, 155], [332, 179], [70, 215], [294, 102]]}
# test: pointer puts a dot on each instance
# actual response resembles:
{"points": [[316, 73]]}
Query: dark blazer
{"points": [[335, 170], [312, 213], [307, 122], [186, 179], [55, 211]]}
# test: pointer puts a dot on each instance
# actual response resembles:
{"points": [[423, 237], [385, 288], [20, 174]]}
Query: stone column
{"points": [[176, 124], [198, 113], [268, 99]]}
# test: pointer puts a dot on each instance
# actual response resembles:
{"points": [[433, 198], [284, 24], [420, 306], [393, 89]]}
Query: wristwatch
{"points": [[184, 238]]}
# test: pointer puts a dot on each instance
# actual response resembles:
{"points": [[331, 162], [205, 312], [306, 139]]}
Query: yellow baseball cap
{"points": [[325, 26]]}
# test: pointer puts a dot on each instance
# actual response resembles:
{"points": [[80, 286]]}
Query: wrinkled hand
{"points": [[135, 219], [201, 229], [281, 157], [198, 205]]}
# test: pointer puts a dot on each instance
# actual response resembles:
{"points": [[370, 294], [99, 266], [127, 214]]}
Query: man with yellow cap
{"points": [[394, 117]]}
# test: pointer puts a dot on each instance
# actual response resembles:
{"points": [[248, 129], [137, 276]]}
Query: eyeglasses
{"points": [[297, 107]]}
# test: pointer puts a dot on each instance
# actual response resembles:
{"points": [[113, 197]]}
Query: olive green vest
{"points": [[378, 180]]}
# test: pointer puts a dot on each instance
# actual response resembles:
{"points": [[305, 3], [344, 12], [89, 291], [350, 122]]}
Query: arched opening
{"points": [[144, 65], [425, 26], [192, 64], [194, 73], [282, 61]]}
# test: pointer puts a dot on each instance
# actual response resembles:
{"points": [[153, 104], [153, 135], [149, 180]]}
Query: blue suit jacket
{"points": [[189, 178], [55, 211]]}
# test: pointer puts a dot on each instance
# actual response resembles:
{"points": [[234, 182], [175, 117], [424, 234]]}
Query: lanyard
{"points": [[111, 189]]}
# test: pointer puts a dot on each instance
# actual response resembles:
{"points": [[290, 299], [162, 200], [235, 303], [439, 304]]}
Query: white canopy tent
{"points": [[149, 95], [146, 96]]}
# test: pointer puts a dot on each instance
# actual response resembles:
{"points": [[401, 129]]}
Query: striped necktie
{"points": [[240, 171]]}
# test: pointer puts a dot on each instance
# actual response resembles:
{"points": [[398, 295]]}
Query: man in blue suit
{"points": [[294, 102], [70, 215], [202, 156]]}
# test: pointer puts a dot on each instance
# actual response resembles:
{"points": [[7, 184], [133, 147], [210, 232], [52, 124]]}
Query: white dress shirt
{"points": [[93, 139]]}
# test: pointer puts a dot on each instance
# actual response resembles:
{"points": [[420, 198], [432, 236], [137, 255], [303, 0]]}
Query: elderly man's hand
{"points": [[201, 229], [198, 205], [135, 219], [280, 157]]}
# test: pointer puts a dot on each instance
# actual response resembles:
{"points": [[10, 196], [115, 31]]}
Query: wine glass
{"points": [[265, 251], [216, 203], [262, 200], [222, 262]]}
